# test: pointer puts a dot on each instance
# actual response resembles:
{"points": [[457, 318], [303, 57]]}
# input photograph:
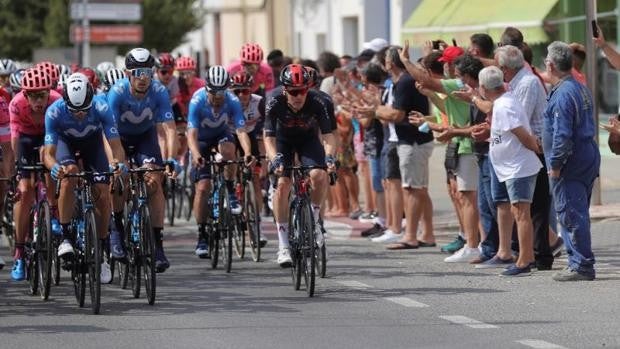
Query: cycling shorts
{"points": [[92, 154], [28, 151], [145, 147], [310, 152], [206, 145]]}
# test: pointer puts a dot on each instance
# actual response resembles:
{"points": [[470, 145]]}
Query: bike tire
{"points": [[308, 249], [226, 227], [93, 257], [44, 248], [252, 222], [32, 271], [133, 254], [56, 263], [321, 260], [170, 200], [295, 246], [78, 276], [147, 251]]}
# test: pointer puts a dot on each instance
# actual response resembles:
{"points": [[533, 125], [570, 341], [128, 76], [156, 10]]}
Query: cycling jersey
{"points": [[209, 123], [136, 116], [263, 79], [184, 97], [59, 122], [254, 115], [172, 87], [5, 119], [21, 116]]}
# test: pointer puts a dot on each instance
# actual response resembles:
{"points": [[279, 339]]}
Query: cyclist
{"points": [[209, 111], [92, 77], [52, 70], [104, 67], [5, 146], [73, 124], [251, 61], [253, 107], [111, 77], [15, 81], [27, 110], [7, 67], [139, 104], [292, 126]]}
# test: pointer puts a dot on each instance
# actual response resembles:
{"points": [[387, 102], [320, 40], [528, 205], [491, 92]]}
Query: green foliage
{"points": [[21, 27], [167, 21], [57, 24]]}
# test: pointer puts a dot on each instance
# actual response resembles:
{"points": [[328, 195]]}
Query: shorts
{"points": [[389, 161], [311, 152], [376, 173], [514, 190], [413, 164], [358, 146], [28, 151], [91, 151], [205, 146], [467, 173], [253, 144], [144, 147]]}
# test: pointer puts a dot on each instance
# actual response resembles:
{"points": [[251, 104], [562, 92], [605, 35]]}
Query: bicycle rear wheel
{"points": [[252, 220], [56, 262], [32, 270], [8, 226], [93, 255], [171, 199], [308, 248], [44, 248], [78, 276], [225, 229], [294, 232], [147, 249], [133, 253]]}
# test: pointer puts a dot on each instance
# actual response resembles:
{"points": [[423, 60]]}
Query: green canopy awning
{"points": [[459, 19]]}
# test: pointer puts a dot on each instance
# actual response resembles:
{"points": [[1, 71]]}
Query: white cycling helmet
{"points": [[7, 66], [15, 80], [112, 76], [78, 92], [62, 79], [64, 69], [104, 67], [217, 78]]}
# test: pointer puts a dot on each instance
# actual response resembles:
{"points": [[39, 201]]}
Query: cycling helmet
{"points": [[103, 67], [217, 78], [78, 92], [64, 69], [7, 66], [139, 58], [251, 53], [50, 68], [185, 63], [241, 79], [62, 79], [16, 79], [35, 79], [294, 75], [91, 75], [313, 76], [112, 76], [165, 60]]}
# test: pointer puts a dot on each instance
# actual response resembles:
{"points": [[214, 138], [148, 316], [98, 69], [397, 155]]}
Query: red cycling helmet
{"points": [[50, 68], [165, 60], [185, 63], [241, 80], [313, 76], [294, 75], [92, 76], [251, 53], [35, 79]]}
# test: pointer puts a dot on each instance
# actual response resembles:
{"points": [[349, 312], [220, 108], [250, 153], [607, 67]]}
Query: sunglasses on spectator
{"points": [[142, 72], [38, 95], [297, 92], [217, 93], [243, 91]]}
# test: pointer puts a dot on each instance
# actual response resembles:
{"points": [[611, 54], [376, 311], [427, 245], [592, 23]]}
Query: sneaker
{"points": [[202, 249], [368, 217], [376, 228], [355, 215], [1, 263], [65, 249], [572, 275], [464, 255], [495, 262], [19, 270], [117, 246], [388, 237], [161, 262], [235, 208], [56, 227], [454, 246], [318, 235], [478, 260], [263, 240], [513, 270], [284, 257], [556, 249], [106, 275]]}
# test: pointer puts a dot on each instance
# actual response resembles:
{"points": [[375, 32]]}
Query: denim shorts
{"points": [[513, 190], [376, 172]]}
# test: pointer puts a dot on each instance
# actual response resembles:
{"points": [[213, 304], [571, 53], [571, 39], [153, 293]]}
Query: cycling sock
{"points": [[19, 251], [66, 234], [282, 235], [157, 232], [118, 220], [316, 212], [202, 229]]}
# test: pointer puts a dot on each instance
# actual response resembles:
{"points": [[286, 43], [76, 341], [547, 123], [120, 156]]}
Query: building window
{"points": [[350, 35]]}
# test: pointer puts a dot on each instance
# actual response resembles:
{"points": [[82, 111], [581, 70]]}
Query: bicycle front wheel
{"points": [[93, 255], [225, 229], [147, 249], [294, 233], [44, 248], [171, 200], [308, 248]]}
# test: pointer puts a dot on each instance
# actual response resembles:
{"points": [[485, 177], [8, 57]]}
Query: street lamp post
{"points": [[86, 35]]}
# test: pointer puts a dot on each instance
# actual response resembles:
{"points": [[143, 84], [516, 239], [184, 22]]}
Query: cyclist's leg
{"points": [[65, 156], [227, 148], [26, 155], [281, 195], [313, 154], [202, 178], [95, 159], [182, 139]]}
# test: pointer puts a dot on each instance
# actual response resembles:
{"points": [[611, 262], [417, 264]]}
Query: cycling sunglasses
{"points": [[38, 95], [142, 72], [242, 91], [218, 93], [79, 111], [165, 71], [296, 92]]}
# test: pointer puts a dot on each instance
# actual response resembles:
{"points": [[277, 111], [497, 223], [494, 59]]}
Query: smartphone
{"points": [[454, 42], [594, 29], [435, 44]]}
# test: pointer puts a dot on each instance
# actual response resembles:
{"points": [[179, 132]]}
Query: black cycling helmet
{"points": [[139, 58], [294, 75]]}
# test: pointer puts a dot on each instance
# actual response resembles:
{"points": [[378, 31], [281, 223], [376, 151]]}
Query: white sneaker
{"points": [[65, 248], [318, 235], [1, 263], [388, 237], [284, 257], [464, 255], [106, 274]]}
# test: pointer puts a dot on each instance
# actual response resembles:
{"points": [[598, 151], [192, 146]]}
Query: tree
{"points": [[21, 28], [57, 24], [167, 21]]}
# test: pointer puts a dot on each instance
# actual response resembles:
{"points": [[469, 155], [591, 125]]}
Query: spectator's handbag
{"points": [[452, 156]]}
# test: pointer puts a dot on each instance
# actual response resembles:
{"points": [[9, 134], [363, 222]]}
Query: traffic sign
{"points": [[109, 34], [107, 11]]}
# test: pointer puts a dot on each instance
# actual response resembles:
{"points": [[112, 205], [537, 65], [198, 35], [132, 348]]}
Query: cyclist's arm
{"points": [[166, 119], [270, 146], [8, 158], [118, 153], [170, 129], [192, 141], [269, 130], [49, 155], [244, 140]]}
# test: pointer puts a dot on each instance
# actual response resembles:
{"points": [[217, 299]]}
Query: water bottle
{"points": [[135, 223], [216, 204], [239, 192], [80, 234], [35, 224]]}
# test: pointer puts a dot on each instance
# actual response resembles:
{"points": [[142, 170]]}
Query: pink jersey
{"points": [[5, 118], [183, 97], [263, 77], [21, 115]]}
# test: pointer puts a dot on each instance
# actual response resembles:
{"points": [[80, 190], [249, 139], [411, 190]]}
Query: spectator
{"points": [[328, 63], [579, 58], [345, 60], [275, 59], [610, 53]]}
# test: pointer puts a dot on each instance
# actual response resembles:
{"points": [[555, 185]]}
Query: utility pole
{"points": [[86, 35], [592, 84]]}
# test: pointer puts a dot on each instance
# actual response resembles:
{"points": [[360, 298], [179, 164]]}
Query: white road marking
{"points": [[539, 344], [354, 284], [406, 302], [469, 322]]}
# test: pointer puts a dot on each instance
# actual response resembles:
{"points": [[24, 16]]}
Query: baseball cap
{"points": [[450, 54], [365, 55], [376, 44]]}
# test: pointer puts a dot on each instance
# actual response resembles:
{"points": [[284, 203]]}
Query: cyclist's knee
{"points": [[203, 186], [284, 187], [318, 178], [101, 194], [228, 150]]}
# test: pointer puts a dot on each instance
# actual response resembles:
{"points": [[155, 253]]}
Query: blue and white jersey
{"points": [[209, 123], [59, 122], [136, 116]]}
